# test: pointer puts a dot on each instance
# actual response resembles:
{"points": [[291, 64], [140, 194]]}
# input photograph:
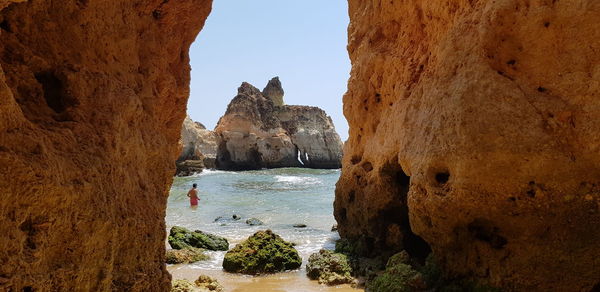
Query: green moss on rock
{"points": [[329, 268], [263, 252], [180, 238], [434, 278], [185, 256], [398, 276]]}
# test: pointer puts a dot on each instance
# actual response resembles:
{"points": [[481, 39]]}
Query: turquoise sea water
{"points": [[278, 197]]}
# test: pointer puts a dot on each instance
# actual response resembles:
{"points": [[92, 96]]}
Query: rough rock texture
{"points": [[479, 121], [183, 285], [198, 148], [185, 255], [208, 284], [263, 252], [255, 133], [329, 268], [92, 97]]}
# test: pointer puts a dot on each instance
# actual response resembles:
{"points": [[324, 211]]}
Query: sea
{"points": [[280, 198]]}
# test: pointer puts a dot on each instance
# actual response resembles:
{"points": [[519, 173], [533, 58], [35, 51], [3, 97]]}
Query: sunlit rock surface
{"points": [[479, 121], [198, 148], [92, 97], [256, 132]]}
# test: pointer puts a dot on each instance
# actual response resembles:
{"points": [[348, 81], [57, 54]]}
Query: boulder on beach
{"points": [[206, 283], [329, 268], [180, 237], [185, 255], [183, 285], [254, 222], [299, 225], [263, 252]]}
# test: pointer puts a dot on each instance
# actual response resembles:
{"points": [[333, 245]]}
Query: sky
{"points": [[302, 42]]}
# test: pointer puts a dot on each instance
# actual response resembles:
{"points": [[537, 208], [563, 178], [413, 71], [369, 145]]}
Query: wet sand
{"points": [[294, 281]]}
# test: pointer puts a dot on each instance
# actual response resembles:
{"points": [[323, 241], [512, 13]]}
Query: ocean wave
{"points": [[297, 179], [210, 172]]}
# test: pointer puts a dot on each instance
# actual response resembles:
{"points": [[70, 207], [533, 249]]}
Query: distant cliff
{"points": [[259, 131], [199, 148]]}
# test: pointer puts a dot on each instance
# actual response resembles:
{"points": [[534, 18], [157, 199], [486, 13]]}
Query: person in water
{"points": [[193, 195]]}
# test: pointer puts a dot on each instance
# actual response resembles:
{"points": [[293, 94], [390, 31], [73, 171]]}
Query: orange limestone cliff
{"points": [[475, 126], [92, 97]]}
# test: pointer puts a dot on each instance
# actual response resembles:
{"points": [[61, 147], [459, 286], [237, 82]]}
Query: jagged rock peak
{"points": [[248, 89], [274, 91]]}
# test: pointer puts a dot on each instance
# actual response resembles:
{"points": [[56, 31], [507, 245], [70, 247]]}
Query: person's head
{"points": [[194, 185]]}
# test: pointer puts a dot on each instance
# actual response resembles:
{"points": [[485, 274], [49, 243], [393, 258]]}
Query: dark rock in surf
{"points": [[254, 222]]}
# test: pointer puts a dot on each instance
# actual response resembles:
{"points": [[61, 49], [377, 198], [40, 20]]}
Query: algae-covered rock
{"points": [[263, 252], [180, 237], [185, 255], [207, 283], [398, 276], [329, 268], [182, 285]]}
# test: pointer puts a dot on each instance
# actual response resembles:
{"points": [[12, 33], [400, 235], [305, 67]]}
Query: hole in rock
{"points": [[546, 24], [485, 230], [531, 191], [442, 177], [5, 26], [355, 159], [367, 166], [511, 62], [596, 288], [541, 89], [28, 289], [53, 91], [351, 196]]}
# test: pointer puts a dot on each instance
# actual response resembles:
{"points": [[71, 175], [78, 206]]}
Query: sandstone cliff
{"points": [[198, 148], [475, 125], [92, 97], [258, 131]]}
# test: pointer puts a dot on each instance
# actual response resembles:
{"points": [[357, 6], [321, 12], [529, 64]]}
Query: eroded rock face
{"points": [[92, 97], [257, 133], [479, 121], [198, 148]]}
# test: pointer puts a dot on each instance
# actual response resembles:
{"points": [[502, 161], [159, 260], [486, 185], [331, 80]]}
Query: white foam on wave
{"points": [[210, 172], [296, 179]]}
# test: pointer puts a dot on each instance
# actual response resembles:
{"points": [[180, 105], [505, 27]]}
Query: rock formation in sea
{"points": [[92, 97], [475, 130], [259, 131], [198, 148]]}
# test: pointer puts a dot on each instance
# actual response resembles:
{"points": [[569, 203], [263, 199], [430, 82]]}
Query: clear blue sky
{"points": [[302, 42]]}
